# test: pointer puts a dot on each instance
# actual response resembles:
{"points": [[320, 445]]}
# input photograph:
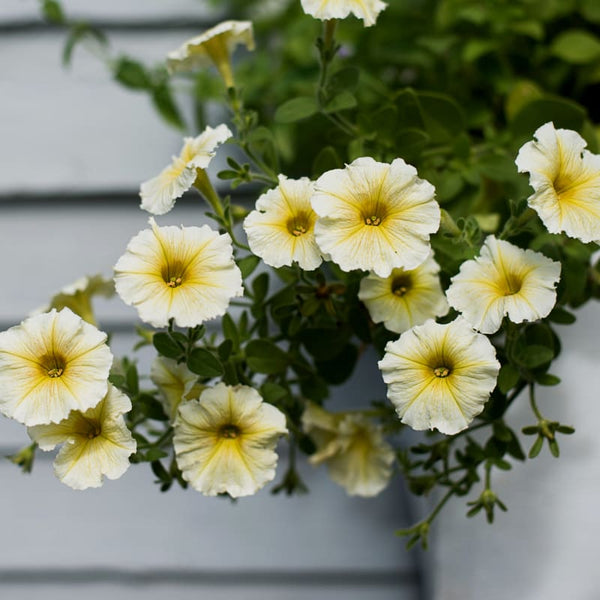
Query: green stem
{"points": [[534, 407]]}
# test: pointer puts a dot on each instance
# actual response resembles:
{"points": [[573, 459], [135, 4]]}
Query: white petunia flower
{"points": [[159, 193], [504, 280], [281, 229], [566, 182], [367, 10], [225, 441], [213, 47], [356, 454], [375, 216], [182, 273], [175, 383], [405, 298], [51, 364], [440, 376], [96, 442]]}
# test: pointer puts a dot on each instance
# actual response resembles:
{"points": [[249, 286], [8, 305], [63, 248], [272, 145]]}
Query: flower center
{"points": [[441, 372], [174, 282], [173, 274], [55, 372], [512, 284], [229, 431], [298, 225], [401, 285], [94, 430], [372, 220], [54, 366]]}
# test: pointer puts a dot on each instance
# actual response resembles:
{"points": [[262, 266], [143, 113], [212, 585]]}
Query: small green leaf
{"points": [[547, 379], [166, 346], [537, 447], [131, 74], [230, 331], [296, 109], [562, 316], [164, 103], [204, 363], [534, 356], [508, 378], [562, 112], [52, 11], [224, 349], [248, 264], [132, 380], [343, 101], [263, 356], [576, 46]]}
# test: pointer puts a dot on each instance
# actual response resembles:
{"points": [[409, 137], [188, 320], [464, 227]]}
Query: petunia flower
{"points": [[375, 216], [159, 193], [182, 273], [213, 47], [440, 376], [78, 295], [367, 10], [96, 442], [356, 454], [50, 364], [225, 441], [566, 182], [175, 383], [405, 298], [504, 280], [281, 229]]}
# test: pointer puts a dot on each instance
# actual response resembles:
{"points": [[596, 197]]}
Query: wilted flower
{"points": [[159, 194], [281, 229], [50, 364], [375, 216], [367, 10], [504, 280], [440, 376], [182, 273], [214, 46], [96, 442], [405, 298], [224, 442], [356, 454], [175, 383], [77, 296], [566, 180]]}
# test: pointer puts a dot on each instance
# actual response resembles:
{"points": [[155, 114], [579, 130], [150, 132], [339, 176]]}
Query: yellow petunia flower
{"points": [[566, 182], [225, 441], [175, 383], [356, 454], [50, 364], [504, 280], [375, 216], [213, 47], [281, 229], [440, 376], [182, 273], [405, 298], [96, 442], [367, 10], [159, 193]]}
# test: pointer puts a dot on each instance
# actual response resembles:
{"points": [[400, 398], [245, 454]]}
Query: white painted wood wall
{"points": [[76, 132]]}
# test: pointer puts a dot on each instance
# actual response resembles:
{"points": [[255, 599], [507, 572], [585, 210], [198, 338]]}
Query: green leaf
{"points": [[547, 379], [590, 9], [442, 116], [343, 101], [78, 33], [344, 79], [230, 331], [166, 346], [204, 363], [52, 11], [562, 316], [162, 99], [296, 109], [537, 447], [272, 392], [564, 113], [260, 287], [576, 46], [508, 378], [132, 380], [224, 349], [340, 368], [132, 74], [263, 356], [248, 264], [534, 356], [327, 160]]}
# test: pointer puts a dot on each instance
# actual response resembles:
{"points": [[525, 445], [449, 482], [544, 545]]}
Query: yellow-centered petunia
{"points": [[160, 193], [213, 47], [225, 441], [504, 280], [50, 364], [175, 383], [440, 376], [356, 454], [566, 182], [405, 298], [96, 443], [182, 273], [367, 10], [375, 216], [281, 228]]}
